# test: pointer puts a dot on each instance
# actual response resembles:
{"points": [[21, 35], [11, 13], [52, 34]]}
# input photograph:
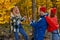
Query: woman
{"points": [[40, 26], [53, 24], [16, 23]]}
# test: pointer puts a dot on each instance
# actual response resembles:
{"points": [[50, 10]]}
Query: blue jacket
{"points": [[39, 28]]}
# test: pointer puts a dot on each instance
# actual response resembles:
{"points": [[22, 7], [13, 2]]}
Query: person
{"points": [[16, 23], [39, 26], [53, 24]]}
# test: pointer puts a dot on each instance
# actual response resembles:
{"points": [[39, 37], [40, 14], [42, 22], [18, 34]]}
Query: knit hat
{"points": [[53, 10], [43, 9]]}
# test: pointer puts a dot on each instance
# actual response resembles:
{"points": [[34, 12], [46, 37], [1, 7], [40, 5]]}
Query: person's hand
{"points": [[30, 19], [21, 23], [25, 17]]}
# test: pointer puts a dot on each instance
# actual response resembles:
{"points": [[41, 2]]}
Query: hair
{"points": [[15, 4], [12, 10]]}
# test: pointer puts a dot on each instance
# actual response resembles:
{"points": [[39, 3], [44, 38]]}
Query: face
{"points": [[52, 15], [41, 13], [15, 10]]}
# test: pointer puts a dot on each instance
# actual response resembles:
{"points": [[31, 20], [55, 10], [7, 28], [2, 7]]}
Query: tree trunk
{"points": [[33, 15], [33, 10]]}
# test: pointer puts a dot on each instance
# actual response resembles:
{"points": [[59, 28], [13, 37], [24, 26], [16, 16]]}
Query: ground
{"points": [[10, 37]]}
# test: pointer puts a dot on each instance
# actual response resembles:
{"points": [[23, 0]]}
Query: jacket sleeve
{"points": [[33, 23], [38, 24]]}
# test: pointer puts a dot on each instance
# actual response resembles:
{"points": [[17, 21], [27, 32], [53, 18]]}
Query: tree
{"points": [[33, 9]]}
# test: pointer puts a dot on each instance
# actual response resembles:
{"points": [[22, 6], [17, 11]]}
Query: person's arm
{"points": [[33, 23], [20, 17], [38, 24]]}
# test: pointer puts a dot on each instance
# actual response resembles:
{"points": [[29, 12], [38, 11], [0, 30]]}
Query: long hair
{"points": [[15, 14]]}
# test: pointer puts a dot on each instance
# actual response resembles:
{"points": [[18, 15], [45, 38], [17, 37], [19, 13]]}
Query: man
{"points": [[16, 23], [53, 24], [40, 26]]}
